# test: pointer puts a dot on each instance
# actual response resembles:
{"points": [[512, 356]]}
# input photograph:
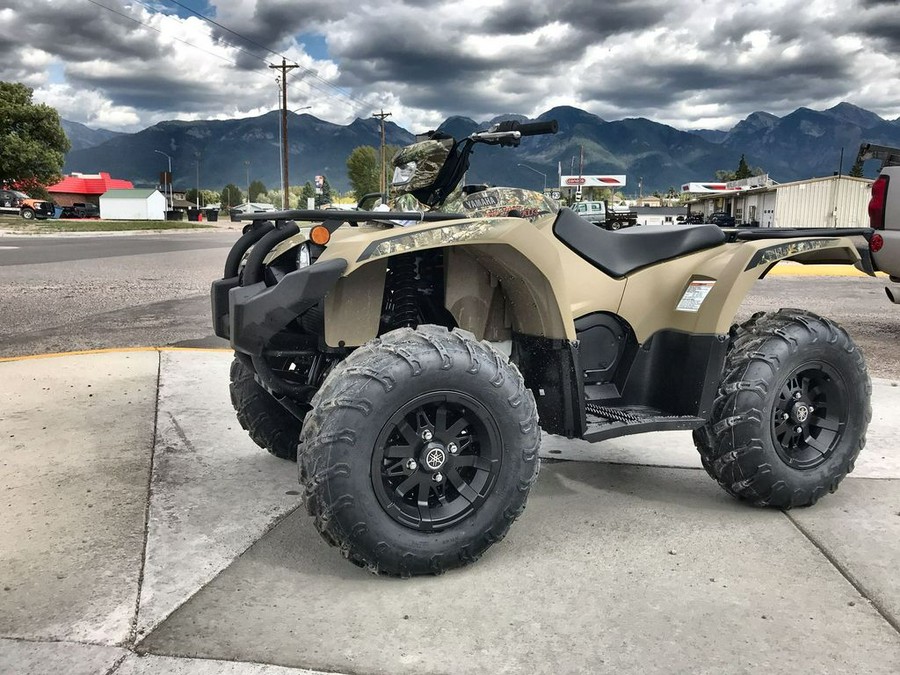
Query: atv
{"points": [[410, 358]]}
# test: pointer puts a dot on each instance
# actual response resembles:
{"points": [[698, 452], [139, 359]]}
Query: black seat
{"points": [[624, 251]]}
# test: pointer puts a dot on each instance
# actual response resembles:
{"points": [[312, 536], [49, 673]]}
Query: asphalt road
{"points": [[71, 293]]}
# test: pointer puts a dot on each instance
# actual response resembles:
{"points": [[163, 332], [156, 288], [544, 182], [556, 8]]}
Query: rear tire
{"points": [[269, 424], [791, 414], [419, 452]]}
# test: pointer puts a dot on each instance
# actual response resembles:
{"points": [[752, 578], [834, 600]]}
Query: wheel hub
{"points": [[434, 456], [800, 413], [809, 416], [436, 460]]}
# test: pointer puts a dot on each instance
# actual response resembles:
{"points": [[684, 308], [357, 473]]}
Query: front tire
{"points": [[791, 414], [269, 424], [28, 214], [419, 452]]}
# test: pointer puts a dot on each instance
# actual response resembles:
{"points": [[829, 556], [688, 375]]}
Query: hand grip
{"points": [[538, 128], [529, 128]]}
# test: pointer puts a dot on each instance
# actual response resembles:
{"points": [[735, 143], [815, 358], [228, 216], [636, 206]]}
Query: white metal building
{"points": [[147, 204], [832, 201]]}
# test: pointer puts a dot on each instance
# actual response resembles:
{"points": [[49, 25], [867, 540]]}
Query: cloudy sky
{"points": [[126, 64]]}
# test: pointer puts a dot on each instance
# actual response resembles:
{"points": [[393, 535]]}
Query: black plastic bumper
{"points": [[250, 316]]}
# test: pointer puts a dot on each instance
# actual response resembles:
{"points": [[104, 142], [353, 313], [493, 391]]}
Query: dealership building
{"points": [[832, 201]]}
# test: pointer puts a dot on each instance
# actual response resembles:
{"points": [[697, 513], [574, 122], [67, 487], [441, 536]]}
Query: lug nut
{"points": [[799, 430], [797, 395], [438, 477], [784, 416], [811, 409], [452, 448], [411, 465], [427, 435]]}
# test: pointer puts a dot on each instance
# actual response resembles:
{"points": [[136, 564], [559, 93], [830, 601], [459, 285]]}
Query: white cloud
{"points": [[680, 62]]}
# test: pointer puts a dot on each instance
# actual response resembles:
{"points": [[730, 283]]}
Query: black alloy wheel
{"points": [[791, 412], [419, 451], [809, 416], [436, 460]]}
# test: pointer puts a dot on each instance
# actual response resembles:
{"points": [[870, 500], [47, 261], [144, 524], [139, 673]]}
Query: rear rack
{"points": [[744, 234], [352, 216]]}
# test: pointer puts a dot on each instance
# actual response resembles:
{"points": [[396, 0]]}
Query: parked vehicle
{"points": [[884, 214], [80, 210], [19, 203], [721, 218], [694, 218], [609, 217], [417, 364]]}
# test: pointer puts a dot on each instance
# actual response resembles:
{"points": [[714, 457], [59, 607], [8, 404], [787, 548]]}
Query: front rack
{"points": [[347, 216]]}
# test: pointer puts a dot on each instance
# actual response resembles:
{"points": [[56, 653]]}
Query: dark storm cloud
{"points": [[809, 75], [78, 31], [879, 21], [155, 92], [598, 19], [274, 23], [391, 52]]}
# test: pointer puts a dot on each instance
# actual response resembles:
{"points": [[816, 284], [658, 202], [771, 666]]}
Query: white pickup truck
{"points": [[609, 217], [884, 214]]}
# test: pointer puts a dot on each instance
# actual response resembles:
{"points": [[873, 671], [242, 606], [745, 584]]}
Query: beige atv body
{"points": [[418, 353]]}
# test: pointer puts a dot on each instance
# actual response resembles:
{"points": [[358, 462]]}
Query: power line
{"points": [[309, 71], [146, 25], [226, 28], [358, 103]]}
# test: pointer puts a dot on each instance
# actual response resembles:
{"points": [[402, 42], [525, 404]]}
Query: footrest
{"points": [[604, 422]]}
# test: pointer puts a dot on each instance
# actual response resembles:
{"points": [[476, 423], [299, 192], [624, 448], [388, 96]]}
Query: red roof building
{"points": [[85, 187]]}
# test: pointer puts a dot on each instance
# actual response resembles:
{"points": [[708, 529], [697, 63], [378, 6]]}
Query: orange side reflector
{"points": [[320, 235]]}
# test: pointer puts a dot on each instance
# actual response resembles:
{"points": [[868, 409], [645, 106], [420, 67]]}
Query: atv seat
{"points": [[624, 251]]}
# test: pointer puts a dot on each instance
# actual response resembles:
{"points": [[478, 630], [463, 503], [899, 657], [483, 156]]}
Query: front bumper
{"points": [[250, 316]]}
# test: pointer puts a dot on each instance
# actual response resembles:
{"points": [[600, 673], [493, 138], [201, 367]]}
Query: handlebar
{"points": [[529, 128]]}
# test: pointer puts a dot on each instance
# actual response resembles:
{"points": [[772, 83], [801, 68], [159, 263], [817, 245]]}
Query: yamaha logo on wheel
{"points": [[435, 458]]}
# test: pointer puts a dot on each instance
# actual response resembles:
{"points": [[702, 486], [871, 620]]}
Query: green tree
{"points": [[326, 197], [724, 176], [231, 195], [743, 171], [362, 170], [308, 192], [256, 189], [857, 169], [32, 142]]}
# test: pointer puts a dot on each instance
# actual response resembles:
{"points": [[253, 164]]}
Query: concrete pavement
{"points": [[144, 533]]}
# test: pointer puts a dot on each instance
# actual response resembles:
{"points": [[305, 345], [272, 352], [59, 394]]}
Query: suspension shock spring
{"points": [[402, 286]]}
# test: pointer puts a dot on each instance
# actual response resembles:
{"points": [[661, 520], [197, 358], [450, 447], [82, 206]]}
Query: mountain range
{"points": [[803, 144]]}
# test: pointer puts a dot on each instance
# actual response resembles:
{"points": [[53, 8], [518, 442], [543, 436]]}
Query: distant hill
{"points": [[81, 136], [807, 142], [316, 147], [803, 144]]}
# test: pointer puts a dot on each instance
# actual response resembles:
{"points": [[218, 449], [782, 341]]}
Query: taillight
{"points": [[878, 201], [876, 243]]}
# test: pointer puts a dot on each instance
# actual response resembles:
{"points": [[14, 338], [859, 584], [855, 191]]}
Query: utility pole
{"points": [[381, 117], [247, 164], [284, 68], [168, 182], [197, 162]]}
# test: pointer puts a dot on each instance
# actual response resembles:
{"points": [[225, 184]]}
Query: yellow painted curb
{"points": [[111, 350], [790, 269]]}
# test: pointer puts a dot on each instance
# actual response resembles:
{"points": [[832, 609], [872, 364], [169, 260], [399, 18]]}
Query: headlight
{"points": [[403, 174], [303, 257]]}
